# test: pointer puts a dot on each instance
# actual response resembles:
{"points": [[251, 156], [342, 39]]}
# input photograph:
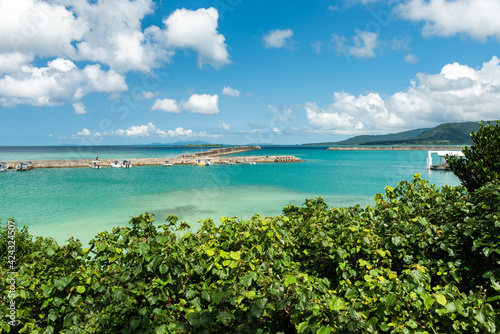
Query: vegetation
{"points": [[443, 134], [482, 159], [421, 260]]}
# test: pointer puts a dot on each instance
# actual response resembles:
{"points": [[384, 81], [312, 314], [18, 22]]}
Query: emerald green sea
{"points": [[81, 202]]}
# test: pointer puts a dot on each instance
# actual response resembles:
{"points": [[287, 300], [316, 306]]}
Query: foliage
{"points": [[422, 260], [482, 160]]}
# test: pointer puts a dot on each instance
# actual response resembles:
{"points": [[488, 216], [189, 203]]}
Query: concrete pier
{"points": [[217, 156], [396, 148]]}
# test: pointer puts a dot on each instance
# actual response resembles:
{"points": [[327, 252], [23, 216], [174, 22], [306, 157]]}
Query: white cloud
{"points": [[278, 38], [457, 93], [12, 62], [317, 46], [197, 30], [148, 95], [230, 92], [167, 105], [364, 44], [202, 104], [148, 130], [410, 58], [333, 8], [475, 18], [106, 33], [225, 126], [60, 82], [79, 108]]}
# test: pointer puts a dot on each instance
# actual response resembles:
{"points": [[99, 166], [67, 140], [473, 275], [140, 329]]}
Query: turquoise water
{"points": [[82, 201]]}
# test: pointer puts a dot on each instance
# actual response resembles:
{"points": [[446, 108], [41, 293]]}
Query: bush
{"points": [[482, 160], [422, 260]]}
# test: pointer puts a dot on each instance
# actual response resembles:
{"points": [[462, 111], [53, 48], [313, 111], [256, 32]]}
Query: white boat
{"points": [[248, 162], [96, 164], [209, 162], [166, 163], [126, 163], [24, 166], [115, 164], [200, 162], [230, 162], [3, 166]]}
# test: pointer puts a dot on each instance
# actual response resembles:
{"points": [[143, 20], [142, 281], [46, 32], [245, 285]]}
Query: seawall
{"points": [[217, 156], [396, 148]]}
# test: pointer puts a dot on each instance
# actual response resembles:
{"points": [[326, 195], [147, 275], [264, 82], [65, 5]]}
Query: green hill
{"points": [[443, 134]]}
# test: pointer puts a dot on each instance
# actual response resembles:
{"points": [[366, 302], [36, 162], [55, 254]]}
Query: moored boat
{"points": [[126, 163], [24, 166], [3, 166], [166, 163], [96, 164], [115, 164]]}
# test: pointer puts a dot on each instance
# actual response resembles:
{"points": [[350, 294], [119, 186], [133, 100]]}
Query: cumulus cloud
{"points": [[278, 38], [79, 108], [228, 91], [147, 130], [475, 18], [197, 30], [106, 33], [457, 93], [167, 105], [363, 44], [225, 126], [202, 104], [60, 82]]}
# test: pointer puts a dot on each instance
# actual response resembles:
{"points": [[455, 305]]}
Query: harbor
{"points": [[216, 156]]}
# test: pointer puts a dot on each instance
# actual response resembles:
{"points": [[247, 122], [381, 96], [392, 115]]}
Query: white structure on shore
{"points": [[442, 156]]}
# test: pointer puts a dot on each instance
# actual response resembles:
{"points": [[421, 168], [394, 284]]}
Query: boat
{"points": [[115, 164], [126, 163], [3, 166], [166, 163], [209, 162], [200, 162], [96, 164], [24, 166], [230, 162], [248, 162]]}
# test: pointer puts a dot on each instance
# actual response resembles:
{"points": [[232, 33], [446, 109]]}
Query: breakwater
{"points": [[217, 156], [396, 148]]}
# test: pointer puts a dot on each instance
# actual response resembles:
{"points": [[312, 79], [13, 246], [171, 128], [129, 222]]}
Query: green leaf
{"points": [[383, 326], [61, 283], [441, 299], [411, 323], [290, 279], [205, 295], [50, 251], [235, 255], [302, 327], [428, 301], [80, 289], [336, 304], [390, 299], [250, 295], [210, 252], [324, 330], [246, 281], [163, 268]]}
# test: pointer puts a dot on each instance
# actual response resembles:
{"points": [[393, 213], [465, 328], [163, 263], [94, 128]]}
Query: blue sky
{"points": [[239, 71]]}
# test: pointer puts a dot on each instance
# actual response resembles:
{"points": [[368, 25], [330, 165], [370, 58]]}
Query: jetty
{"points": [[443, 164], [217, 156], [394, 148]]}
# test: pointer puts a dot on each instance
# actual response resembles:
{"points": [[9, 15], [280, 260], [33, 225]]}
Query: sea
{"points": [[81, 202]]}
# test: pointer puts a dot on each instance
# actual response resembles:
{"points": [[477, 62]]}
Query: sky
{"points": [[124, 72]]}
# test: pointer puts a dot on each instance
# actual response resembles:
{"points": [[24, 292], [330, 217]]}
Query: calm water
{"points": [[82, 201]]}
